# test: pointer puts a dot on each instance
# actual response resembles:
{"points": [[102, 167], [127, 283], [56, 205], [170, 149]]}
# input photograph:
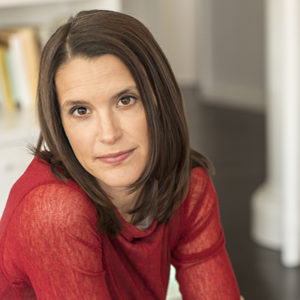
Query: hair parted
{"points": [[164, 182]]}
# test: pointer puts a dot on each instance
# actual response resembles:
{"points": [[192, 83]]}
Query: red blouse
{"points": [[49, 248]]}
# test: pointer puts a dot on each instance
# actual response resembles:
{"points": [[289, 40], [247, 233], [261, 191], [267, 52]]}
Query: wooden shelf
{"points": [[22, 3], [39, 12], [18, 3]]}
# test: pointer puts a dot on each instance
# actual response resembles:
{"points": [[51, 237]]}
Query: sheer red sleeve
{"points": [[58, 248], [203, 269]]}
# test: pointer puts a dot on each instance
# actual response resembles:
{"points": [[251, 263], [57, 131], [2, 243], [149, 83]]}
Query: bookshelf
{"points": [[18, 128]]}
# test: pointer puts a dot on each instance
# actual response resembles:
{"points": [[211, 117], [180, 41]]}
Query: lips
{"points": [[115, 158]]}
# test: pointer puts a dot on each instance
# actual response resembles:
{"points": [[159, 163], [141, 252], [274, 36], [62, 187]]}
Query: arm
{"points": [[203, 269], [60, 251]]}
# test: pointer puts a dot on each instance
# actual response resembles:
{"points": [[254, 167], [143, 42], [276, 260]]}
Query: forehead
{"points": [[102, 65], [104, 73]]}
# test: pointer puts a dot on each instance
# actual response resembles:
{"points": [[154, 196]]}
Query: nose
{"points": [[109, 130]]}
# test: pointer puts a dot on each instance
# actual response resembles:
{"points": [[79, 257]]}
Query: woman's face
{"points": [[104, 118]]}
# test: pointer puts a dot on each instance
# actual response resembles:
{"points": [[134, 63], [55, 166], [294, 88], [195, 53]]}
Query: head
{"points": [[92, 36]]}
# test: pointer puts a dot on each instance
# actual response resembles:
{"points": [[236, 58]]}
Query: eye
{"points": [[80, 111], [127, 100]]}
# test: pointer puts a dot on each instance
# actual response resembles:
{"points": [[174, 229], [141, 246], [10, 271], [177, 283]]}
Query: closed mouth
{"points": [[116, 158]]}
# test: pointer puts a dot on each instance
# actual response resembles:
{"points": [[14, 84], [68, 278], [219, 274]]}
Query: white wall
{"points": [[216, 45], [231, 52], [173, 24]]}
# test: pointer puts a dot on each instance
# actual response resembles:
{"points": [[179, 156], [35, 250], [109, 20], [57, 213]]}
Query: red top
{"points": [[49, 248]]}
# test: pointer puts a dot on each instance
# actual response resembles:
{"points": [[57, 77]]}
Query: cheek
{"points": [[78, 138], [138, 129], [144, 142], [145, 137]]}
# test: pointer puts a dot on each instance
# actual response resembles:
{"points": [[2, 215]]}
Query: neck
{"points": [[121, 199]]}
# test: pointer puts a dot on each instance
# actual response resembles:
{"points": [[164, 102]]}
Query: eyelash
{"points": [[75, 109]]}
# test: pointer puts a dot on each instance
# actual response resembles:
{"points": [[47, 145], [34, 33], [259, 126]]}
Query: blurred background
{"points": [[238, 65]]}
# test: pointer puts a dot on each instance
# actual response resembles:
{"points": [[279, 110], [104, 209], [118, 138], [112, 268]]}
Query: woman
{"points": [[114, 194]]}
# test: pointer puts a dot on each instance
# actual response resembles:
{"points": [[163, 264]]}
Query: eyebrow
{"points": [[68, 103], [125, 91]]}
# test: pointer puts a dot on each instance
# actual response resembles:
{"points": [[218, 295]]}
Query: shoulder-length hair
{"points": [[163, 185]]}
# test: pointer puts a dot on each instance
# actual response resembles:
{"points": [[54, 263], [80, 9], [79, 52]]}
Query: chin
{"points": [[119, 180]]}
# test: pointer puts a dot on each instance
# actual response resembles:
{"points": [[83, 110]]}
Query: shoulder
{"points": [[37, 173], [39, 190], [201, 198], [51, 216], [55, 225], [38, 183], [200, 228], [198, 180], [38, 195], [56, 204]]}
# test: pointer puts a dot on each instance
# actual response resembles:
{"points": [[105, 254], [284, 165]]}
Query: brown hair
{"points": [[164, 182]]}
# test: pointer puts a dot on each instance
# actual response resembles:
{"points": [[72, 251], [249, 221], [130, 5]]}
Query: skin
{"points": [[102, 114]]}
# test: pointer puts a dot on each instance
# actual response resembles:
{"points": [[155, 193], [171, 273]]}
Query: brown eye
{"points": [[80, 111], [125, 101]]}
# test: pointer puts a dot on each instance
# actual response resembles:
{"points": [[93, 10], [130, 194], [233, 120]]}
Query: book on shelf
{"points": [[20, 55], [6, 99]]}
